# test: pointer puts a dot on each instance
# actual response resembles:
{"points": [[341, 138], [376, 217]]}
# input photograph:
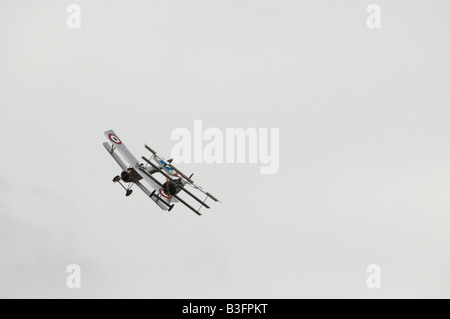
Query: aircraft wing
{"points": [[149, 176], [115, 156], [134, 163], [203, 191], [117, 143], [159, 201], [187, 179]]}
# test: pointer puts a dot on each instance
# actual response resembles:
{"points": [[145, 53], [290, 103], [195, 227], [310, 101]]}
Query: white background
{"points": [[364, 157]]}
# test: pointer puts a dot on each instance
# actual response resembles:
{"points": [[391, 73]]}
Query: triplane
{"points": [[164, 194]]}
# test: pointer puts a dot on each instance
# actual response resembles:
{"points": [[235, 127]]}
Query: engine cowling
{"points": [[172, 187], [130, 176]]}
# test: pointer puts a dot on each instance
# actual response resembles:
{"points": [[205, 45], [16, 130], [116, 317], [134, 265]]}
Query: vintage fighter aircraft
{"points": [[164, 193]]}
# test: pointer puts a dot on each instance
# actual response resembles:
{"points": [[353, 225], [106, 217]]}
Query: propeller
{"points": [[167, 189]]}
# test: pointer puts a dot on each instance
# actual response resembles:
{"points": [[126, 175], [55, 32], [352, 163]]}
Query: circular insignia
{"points": [[115, 139], [164, 195]]}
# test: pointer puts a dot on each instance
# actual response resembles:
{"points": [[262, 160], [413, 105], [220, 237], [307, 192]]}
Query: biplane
{"points": [[164, 193]]}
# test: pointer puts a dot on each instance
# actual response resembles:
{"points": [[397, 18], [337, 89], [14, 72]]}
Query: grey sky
{"points": [[364, 158]]}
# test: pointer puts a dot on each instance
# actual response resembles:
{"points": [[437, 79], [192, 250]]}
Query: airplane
{"points": [[164, 194]]}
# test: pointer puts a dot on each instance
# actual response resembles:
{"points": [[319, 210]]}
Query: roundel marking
{"points": [[115, 139], [164, 195]]}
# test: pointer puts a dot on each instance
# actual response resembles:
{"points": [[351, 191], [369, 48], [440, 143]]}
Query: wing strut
{"points": [[156, 168], [196, 198], [179, 199]]}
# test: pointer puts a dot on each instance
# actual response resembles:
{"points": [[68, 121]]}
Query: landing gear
{"points": [[128, 190]]}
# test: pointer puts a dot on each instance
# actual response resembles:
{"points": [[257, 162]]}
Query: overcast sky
{"points": [[364, 172]]}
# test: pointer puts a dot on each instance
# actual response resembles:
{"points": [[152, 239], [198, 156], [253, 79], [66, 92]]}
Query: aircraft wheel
{"points": [[116, 179], [129, 192]]}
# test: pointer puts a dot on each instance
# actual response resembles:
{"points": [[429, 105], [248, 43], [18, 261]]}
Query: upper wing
{"points": [[134, 163], [122, 148], [115, 156]]}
